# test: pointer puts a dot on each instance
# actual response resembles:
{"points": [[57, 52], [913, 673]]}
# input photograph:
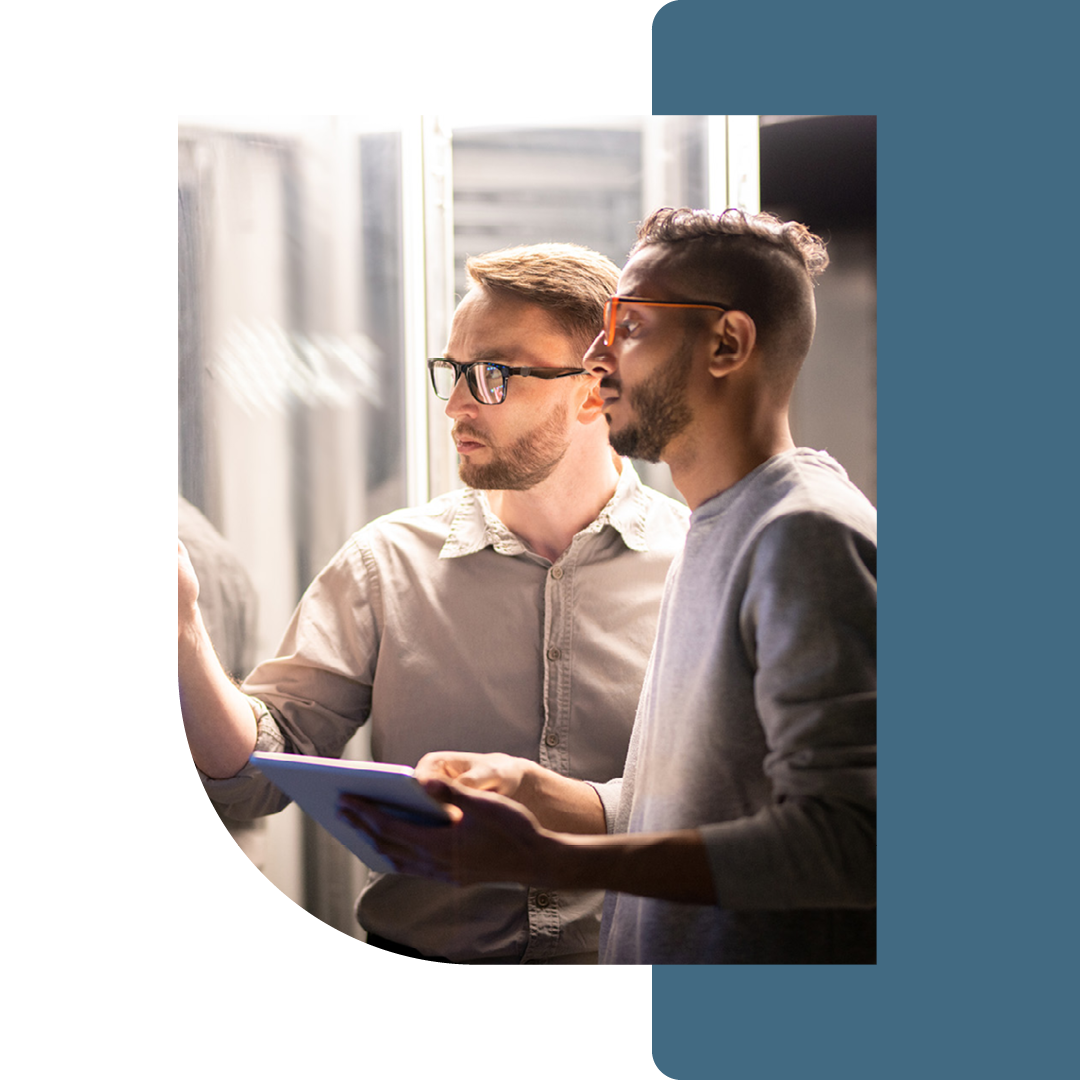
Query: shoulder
{"points": [[215, 560], [809, 491], [198, 534], [816, 543], [819, 535], [431, 517], [411, 532], [441, 508], [796, 517]]}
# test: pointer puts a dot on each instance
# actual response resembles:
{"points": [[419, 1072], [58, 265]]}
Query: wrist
{"points": [[192, 630], [529, 782], [554, 860]]}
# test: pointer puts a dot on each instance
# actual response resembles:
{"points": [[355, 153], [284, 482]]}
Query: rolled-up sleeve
{"points": [[311, 697]]}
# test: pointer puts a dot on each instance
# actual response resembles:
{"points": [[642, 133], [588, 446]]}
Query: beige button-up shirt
{"points": [[438, 627]]}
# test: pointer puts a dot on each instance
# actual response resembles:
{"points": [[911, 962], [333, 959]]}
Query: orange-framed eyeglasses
{"points": [[611, 310]]}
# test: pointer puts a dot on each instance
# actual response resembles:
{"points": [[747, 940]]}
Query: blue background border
{"points": [[973, 882]]}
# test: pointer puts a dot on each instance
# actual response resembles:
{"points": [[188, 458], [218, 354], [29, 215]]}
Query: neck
{"points": [[715, 457], [548, 516]]}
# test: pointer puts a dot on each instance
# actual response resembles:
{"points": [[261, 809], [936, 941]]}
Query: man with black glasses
{"points": [[512, 616], [743, 829]]}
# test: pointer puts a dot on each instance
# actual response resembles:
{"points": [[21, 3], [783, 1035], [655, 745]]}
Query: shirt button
{"points": [[556, 573], [552, 738], [553, 653], [543, 900]]}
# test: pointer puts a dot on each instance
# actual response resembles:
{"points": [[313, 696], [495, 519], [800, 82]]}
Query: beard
{"points": [[659, 409], [524, 463]]}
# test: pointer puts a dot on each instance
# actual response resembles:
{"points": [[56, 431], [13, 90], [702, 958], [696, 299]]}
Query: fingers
{"points": [[487, 840], [491, 808], [441, 765], [424, 850], [468, 769], [482, 772], [388, 817]]}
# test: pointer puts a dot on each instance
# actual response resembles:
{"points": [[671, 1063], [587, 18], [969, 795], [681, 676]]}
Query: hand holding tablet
{"points": [[315, 785]]}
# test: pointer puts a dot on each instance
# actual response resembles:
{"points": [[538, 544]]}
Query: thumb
{"points": [[472, 799], [445, 792]]}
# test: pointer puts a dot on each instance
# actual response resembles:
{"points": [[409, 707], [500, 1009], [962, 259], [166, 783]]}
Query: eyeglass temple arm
{"points": [[547, 373]]}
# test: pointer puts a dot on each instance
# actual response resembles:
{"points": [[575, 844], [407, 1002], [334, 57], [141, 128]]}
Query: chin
{"points": [[630, 443]]}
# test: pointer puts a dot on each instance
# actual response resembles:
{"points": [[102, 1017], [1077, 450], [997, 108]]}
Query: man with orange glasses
{"points": [[513, 615], [743, 828]]}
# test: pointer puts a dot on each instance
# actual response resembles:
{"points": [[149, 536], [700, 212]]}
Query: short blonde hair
{"points": [[572, 283]]}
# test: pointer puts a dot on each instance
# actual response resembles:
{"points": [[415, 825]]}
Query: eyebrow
{"points": [[486, 356]]}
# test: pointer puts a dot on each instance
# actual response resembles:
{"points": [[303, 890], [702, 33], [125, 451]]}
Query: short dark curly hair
{"points": [[753, 262]]}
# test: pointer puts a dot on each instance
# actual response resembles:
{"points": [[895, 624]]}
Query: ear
{"points": [[592, 407], [733, 339]]}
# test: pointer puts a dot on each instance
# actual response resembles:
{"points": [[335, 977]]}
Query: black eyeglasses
{"points": [[486, 382], [611, 310]]}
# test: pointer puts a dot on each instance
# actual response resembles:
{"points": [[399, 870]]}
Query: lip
{"points": [[466, 444]]}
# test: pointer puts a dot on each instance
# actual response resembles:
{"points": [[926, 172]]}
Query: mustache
{"points": [[461, 431]]}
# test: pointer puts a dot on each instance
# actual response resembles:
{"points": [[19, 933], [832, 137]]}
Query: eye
{"points": [[629, 325]]}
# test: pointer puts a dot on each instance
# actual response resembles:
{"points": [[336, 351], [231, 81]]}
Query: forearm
{"points": [[218, 717], [560, 803], [666, 866], [494, 837]]}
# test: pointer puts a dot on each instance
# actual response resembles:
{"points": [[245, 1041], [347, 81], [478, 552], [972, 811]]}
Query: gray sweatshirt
{"points": [[757, 724]]}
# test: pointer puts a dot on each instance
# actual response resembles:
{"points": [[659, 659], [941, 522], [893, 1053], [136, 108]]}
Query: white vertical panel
{"points": [[414, 304], [743, 163], [734, 163], [718, 174], [654, 191], [439, 248]]}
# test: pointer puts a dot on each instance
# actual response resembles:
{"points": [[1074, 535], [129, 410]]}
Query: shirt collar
{"points": [[475, 526]]}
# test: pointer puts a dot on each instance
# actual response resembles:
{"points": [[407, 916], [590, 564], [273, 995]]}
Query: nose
{"points": [[461, 402], [598, 359]]}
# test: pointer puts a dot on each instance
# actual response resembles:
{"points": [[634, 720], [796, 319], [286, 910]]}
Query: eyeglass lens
{"points": [[487, 382]]}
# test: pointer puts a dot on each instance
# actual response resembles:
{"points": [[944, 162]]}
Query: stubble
{"points": [[524, 463], [659, 408]]}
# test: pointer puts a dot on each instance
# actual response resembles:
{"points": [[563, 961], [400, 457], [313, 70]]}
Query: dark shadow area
{"points": [[821, 170]]}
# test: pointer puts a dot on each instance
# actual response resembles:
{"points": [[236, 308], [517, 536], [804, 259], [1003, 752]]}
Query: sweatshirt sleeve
{"points": [[609, 794], [808, 624]]}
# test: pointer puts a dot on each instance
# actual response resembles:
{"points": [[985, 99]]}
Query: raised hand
{"points": [[188, 588]]}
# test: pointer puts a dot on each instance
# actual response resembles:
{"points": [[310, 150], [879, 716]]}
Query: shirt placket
{"points": [[554, 751]]}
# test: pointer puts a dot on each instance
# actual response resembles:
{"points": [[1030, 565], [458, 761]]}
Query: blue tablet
{"points": [[315, 784]]}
